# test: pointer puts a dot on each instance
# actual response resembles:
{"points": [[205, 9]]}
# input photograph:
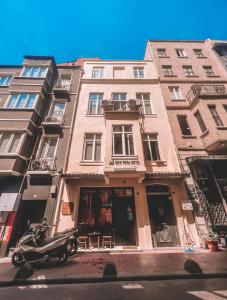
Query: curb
{"points": [[22, 282]]}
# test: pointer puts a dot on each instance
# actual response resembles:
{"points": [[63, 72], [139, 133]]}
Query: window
{"points": [[188, 71], [215, 115], [185, 130], [145, 102], [175, 92], [9, 142], [37, 72], [65, 81], [162, 52], [5, 80], [181, 53], [167, 70], [92, 147], [198, 53], [49, 147], [208, 70], [151, 147], [119, 96], [97, 72], [200, 121], [123, 140], [22, 101], [138, 72], [95, 100], [59, 107]]}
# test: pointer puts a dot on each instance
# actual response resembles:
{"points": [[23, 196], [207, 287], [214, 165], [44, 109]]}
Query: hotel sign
{"points": [[124, 163]]}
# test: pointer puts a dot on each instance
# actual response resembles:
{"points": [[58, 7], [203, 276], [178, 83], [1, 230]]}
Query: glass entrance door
{"points": [[162, 216]]}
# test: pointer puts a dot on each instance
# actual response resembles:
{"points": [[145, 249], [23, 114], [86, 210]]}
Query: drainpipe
{"points": [[58, 200]]}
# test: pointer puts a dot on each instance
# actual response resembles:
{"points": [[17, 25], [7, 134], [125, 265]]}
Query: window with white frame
{"points": [[123, 140], [151, 146], [138, 72], [162, 52], [97, 72], [145, 102], [175, 93], [92, 147], [95, 101], [5, 80], [209, 70], [188, 71], [167, 70], [23, 100], [9, 142], [198, 53], [35, 72], [181, 53], [49, 146], [119, 96]]}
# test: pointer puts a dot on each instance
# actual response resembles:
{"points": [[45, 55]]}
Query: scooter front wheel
{"points": [[18, 259], [63, 257]]}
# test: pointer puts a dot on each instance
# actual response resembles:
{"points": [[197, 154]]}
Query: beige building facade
{"points": [[123, 177]]}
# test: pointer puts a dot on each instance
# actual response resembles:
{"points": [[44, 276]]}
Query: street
{"points": [[190, 289]]}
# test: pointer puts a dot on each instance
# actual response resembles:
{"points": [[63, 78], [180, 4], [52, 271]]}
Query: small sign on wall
{"points": [[67, 208], [187, 205]]}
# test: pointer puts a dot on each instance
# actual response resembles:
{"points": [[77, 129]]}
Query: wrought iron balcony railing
{"points": [[61, 86], [121, 106], [43, 164], [206, 90], [54, 117]]}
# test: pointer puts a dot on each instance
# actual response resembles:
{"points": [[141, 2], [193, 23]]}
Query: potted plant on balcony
{"points": [[211, 240]]}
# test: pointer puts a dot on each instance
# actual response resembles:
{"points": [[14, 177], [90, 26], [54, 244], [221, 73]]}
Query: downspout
{"points": [[61, 186]]}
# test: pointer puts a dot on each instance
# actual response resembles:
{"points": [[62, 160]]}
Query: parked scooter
{"points": [[33, 247]]}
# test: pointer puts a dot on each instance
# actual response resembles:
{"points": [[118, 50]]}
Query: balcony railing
{"points": [[200, 90], [121, 106], [43, 164], [61, 87], [54, 118]]}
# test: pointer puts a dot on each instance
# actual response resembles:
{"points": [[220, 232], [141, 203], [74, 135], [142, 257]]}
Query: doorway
{"points": [[162, 217]]}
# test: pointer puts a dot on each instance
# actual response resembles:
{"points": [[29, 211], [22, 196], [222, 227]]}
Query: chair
{"points": [[107, 241], [82, 241]]}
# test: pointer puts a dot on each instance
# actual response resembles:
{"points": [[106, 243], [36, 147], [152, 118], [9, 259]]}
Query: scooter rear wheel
{"points": [[63, 257], [18, 259]]}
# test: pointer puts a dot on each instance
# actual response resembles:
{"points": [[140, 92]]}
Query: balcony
{"points": [[117, 109], [206, 91], [54, 119], [62, 88], [43, 165]]}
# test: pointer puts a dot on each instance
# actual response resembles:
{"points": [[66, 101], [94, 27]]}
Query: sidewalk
{"points": [[91, 265]]}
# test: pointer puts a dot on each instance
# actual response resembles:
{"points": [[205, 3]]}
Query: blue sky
{"points": [[109, 29]]}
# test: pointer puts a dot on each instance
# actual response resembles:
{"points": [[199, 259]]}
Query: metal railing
{"points": [[56, 117], [43, 164], [60, 85], [121, 106], [199, 90]]}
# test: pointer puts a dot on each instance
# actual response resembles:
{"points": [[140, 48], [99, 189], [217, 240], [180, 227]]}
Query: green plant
{"points": [[210, 236]]}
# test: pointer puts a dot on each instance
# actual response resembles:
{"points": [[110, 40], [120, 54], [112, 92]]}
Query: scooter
{"points": [[34, 248]]}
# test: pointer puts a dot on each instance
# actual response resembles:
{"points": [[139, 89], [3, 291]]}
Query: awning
{"points": [[206, 157], [9, 201]]}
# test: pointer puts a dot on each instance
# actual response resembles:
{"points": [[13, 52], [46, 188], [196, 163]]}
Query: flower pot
{"points": [[212, 246]]}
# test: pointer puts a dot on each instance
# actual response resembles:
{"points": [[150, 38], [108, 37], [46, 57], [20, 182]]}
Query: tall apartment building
{"points": [[38, 101], [193, 83], [123, 175]]}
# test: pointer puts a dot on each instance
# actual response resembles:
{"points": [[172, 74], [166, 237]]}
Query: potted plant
{"points": [[211, 239]]}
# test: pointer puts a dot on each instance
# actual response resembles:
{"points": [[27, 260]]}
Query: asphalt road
{"points": [[209, 289]]}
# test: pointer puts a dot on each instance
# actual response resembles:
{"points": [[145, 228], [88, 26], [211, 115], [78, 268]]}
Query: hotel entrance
{"points": [[162, 217], [109, 211]]}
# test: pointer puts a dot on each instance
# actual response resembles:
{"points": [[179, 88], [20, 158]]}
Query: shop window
{"points": [[92, 147], [123, 140], [185, 129], [151, 147]]}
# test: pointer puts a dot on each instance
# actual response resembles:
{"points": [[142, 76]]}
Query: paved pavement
{"points": [[92, 265], [209, 289]]}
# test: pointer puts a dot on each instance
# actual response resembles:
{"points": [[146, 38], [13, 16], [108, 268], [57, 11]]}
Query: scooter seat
{"points": [[48, 241]]}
